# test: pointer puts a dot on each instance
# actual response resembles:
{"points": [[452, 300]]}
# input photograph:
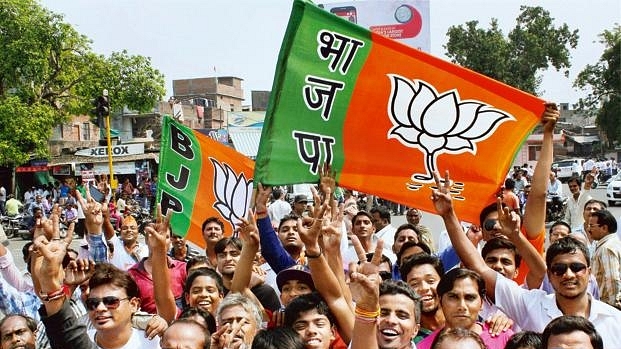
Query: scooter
{"points": [[555, 208]]}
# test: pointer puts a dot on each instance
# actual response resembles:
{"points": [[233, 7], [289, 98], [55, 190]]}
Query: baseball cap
{"points": [[300, 198], [297, 272]]}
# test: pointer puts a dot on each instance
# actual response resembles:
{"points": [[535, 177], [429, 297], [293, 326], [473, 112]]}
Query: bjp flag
{"points": [[200, 178], [385, 116]]}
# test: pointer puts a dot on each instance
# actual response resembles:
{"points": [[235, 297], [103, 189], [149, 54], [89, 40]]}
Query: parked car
{"points": [[564, 168], [613, 190]]}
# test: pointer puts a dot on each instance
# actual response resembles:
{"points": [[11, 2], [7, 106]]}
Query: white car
{"points": [[565, 168], [613, 190]]}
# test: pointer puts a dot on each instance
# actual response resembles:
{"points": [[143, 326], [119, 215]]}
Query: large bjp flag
{"points": [[200, 178], [386, 116]]}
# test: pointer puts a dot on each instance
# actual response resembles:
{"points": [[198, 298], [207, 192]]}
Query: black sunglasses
{"points": [[489, 224], [559, 269], [110, 302]]}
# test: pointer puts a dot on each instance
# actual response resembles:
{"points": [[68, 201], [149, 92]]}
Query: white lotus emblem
{"points": [[232, 191], [438, 123]]}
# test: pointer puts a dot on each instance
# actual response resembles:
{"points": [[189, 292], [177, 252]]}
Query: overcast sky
{"points": [[188, 38]]}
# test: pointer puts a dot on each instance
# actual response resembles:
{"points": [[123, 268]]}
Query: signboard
{"points": [[61, 170], [124, 167], [117, 150], [406, 21]]}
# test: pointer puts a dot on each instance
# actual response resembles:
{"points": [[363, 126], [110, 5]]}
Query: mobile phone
{"points": [[96, 194], [347, 12]]}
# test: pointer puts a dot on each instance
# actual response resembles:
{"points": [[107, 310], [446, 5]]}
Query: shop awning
{"points": [[73, 159], [246, 140], [31, 168]]}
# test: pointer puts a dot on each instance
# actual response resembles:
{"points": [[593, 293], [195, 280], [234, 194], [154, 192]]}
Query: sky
{"points": [[242, 38]]}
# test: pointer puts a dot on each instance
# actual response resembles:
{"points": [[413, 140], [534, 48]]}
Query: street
{"points": [[432, 221]]}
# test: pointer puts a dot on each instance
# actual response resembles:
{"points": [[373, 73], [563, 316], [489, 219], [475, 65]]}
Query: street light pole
{"points": [[113, 180]]}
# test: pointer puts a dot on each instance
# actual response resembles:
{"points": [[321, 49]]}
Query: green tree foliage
{"points": [[533, 45], [48, 67], [603, 80]]}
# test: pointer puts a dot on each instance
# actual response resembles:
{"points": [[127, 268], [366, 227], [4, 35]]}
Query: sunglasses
{"points": [[489, 224], [109, 302], [559, 269], [385, 275]]}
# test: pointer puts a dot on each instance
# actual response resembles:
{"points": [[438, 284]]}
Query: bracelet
{"points": [[312, 256], [366, 314], [260, 212], [46, 297], [366, 319]]}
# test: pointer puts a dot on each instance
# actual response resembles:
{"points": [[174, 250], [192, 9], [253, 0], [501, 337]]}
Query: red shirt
{"points": [[145, 282]]}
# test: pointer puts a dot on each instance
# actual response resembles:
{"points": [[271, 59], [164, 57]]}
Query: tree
{"points": [[533, 45], [48, 67], [604, 82]]}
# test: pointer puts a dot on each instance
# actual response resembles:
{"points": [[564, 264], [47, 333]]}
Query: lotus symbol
{"points": [[232, 191], [438, 123]]}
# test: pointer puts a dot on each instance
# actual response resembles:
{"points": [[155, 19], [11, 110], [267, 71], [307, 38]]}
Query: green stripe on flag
{"points": [[180, 160], [315, 55]]}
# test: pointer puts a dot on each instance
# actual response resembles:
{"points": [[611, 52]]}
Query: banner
{"points": [[386, 116], [406, 21], [200, 178]]}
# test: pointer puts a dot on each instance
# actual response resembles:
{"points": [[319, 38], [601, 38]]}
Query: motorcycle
{"points": [[555, 208]]}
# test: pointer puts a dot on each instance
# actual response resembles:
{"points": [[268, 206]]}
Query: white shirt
{"points": [[573, 212], [532, 310], [121, 258], [277, 210], [136, 340]]}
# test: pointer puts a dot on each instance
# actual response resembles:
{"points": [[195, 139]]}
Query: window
{"points": [[533, 153], [86, 131]]}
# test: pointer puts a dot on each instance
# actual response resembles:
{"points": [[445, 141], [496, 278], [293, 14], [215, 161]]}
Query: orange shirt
{"points": [[538, 243]]}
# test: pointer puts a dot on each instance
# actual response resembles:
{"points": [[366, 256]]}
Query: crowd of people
{"points": [[326, 275]]}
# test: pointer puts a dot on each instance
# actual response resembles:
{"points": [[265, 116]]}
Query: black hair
{"points": [[409, 244], [213, 219], [567, 244], [277, 338], [190, 313], [304, 303], [501, 243], [30, 322], [203, 271], [570, 323], [108, 274], [604, 217], [224, 242], [447, 281], [420, 259], [196, 260], [524, 340], [383, 211], [563, 223], [396, 287]]}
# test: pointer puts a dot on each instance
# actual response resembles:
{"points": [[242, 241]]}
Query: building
{"points": [[214, 95]]}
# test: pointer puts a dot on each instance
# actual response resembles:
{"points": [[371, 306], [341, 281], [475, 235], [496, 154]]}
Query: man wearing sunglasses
{"points": [[607, 257], [567, 263]]}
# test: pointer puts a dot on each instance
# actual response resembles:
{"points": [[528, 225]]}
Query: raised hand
{"points": [[92, 211], [327, 181], [550, 117], [248, 231], [262, 197], [310, 236], [78, 271], [157, 234], [333, 231], [508, 219], [441, 197], [364, 276]]}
